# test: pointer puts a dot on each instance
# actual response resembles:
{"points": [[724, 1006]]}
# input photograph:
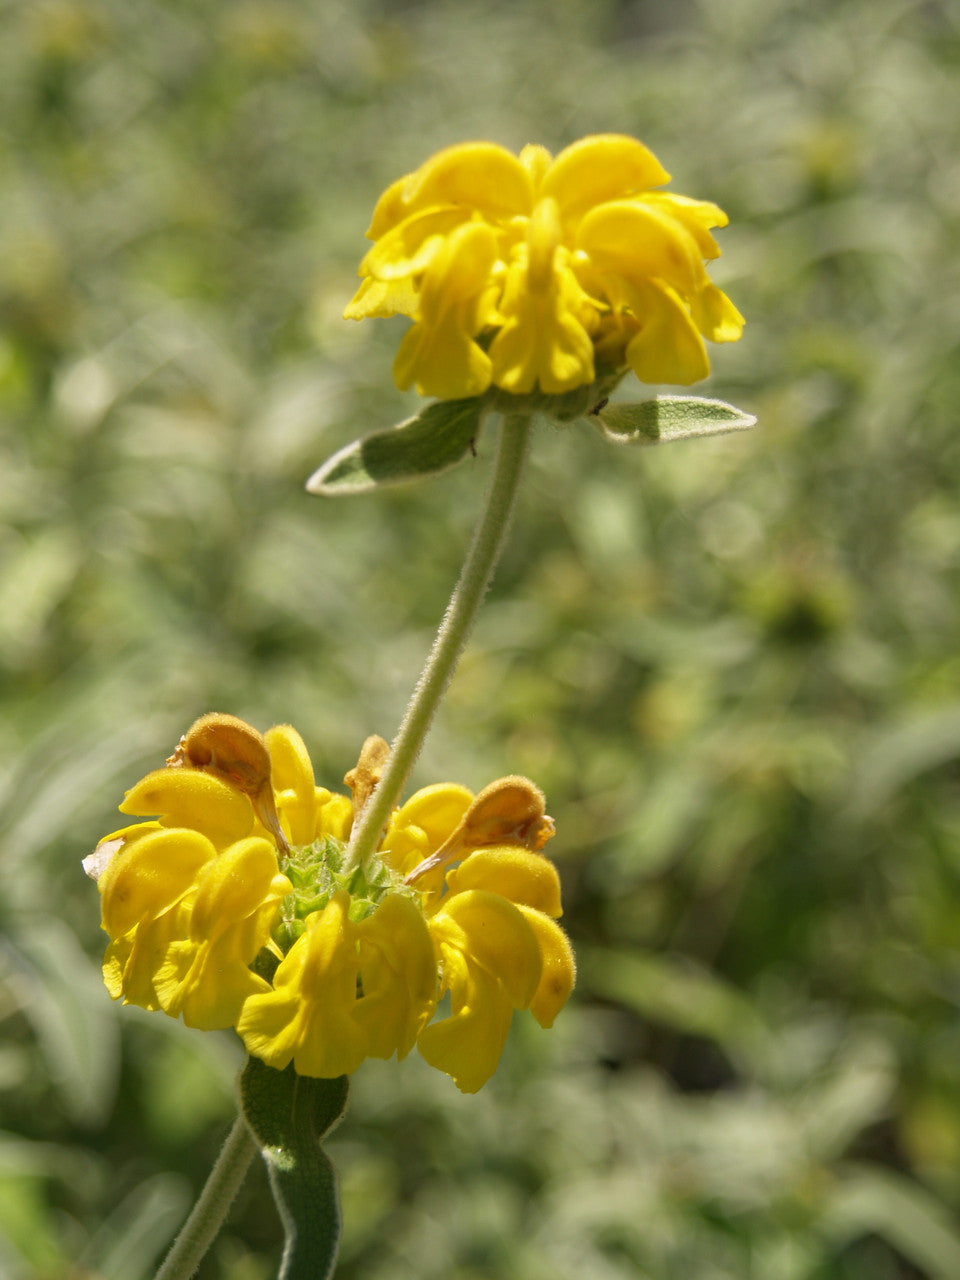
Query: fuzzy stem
{"points": [[208, 1214], [461, 614]]}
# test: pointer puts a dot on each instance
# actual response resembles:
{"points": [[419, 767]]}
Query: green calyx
{"points": [[317, 871]]}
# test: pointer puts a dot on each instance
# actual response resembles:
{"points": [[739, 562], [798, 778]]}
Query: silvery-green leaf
{"points": [[438, 438], [666, 418], [289, 1116]]}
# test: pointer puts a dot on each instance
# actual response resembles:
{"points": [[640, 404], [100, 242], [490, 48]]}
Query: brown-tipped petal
{"points": [[362, 779], [510, 809], [264, 806], [449, 851], [227, 747], [234, 752]]}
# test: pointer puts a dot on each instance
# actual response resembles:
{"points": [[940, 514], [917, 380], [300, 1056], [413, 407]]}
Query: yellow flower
{"points": [[532, 272], [243, 864], [316, 1017]]}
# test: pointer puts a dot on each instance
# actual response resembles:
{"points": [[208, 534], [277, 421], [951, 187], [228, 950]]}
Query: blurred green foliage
{"points": [[733, 665]]}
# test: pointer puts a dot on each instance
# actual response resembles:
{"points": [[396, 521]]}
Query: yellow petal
{"points": [[695, 216], [439, 353], [668, 347], [109, 846], [309, 1016], [544, 342], [398, 971], [468, 1044], [559, 967], [459, 274], [292, 775], [412, 245], [235, 885], [607, 166], [189, 798], [536, 160], [390, 209], [424, 823], [206, 982], [640, 242], [150, 877], [473, 175], [436, 810], [290, 766], [492, 933], [524, 878], [444, 362], [383, 298], [334, 815], [715, 315], [133, 960]]}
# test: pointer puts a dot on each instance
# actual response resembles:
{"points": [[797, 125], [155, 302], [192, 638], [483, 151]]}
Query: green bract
{"points": [[445, 433]]}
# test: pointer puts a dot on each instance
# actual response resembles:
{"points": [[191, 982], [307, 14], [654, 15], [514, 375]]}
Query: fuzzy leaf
{"points": [[289, 1115], [438, 438], [667, 418]]}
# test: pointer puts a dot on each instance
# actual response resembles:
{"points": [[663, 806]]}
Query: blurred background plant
{"points": [[732, 665]]}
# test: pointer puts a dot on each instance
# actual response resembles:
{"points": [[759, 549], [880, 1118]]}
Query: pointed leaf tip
{"points": [[667, 418], [438, 438]]}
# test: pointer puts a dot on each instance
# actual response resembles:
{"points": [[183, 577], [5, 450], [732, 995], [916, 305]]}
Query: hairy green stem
{"points": [[208, 1214], [488, 541]]}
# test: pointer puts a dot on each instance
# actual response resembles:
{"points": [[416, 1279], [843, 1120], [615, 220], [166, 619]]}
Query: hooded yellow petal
{"points": [[640, 242], [398, 972], [559, 967], [468, 1044], [439, 353], [492, 933], [150, 877], [190, 798], [606, 166], [443, 362], [383, 298], [715, 315], [131, 962], [293, 781], [524, 878], [235, 885], [421, 825], [207, 983], [697, 217], [668, 347], [411, 247], [309, 1016], [479, 176]]}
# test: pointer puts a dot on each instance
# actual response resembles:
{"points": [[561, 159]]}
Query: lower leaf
{"points": [[289, 1116]]}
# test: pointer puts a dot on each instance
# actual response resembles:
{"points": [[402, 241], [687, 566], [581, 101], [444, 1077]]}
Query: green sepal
{"points": [[667, 418], [438, 438], [289, 1115]]}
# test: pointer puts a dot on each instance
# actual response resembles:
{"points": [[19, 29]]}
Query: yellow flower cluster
{"points": [[232, 906], [527, 273]]}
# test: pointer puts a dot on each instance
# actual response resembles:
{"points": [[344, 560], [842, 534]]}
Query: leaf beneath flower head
{"points": [[289, 1115], [667, 418], [438, 438]]}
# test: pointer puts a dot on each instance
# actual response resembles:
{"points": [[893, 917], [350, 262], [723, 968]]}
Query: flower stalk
{"points": [[210, 1212], [458, 621]]}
